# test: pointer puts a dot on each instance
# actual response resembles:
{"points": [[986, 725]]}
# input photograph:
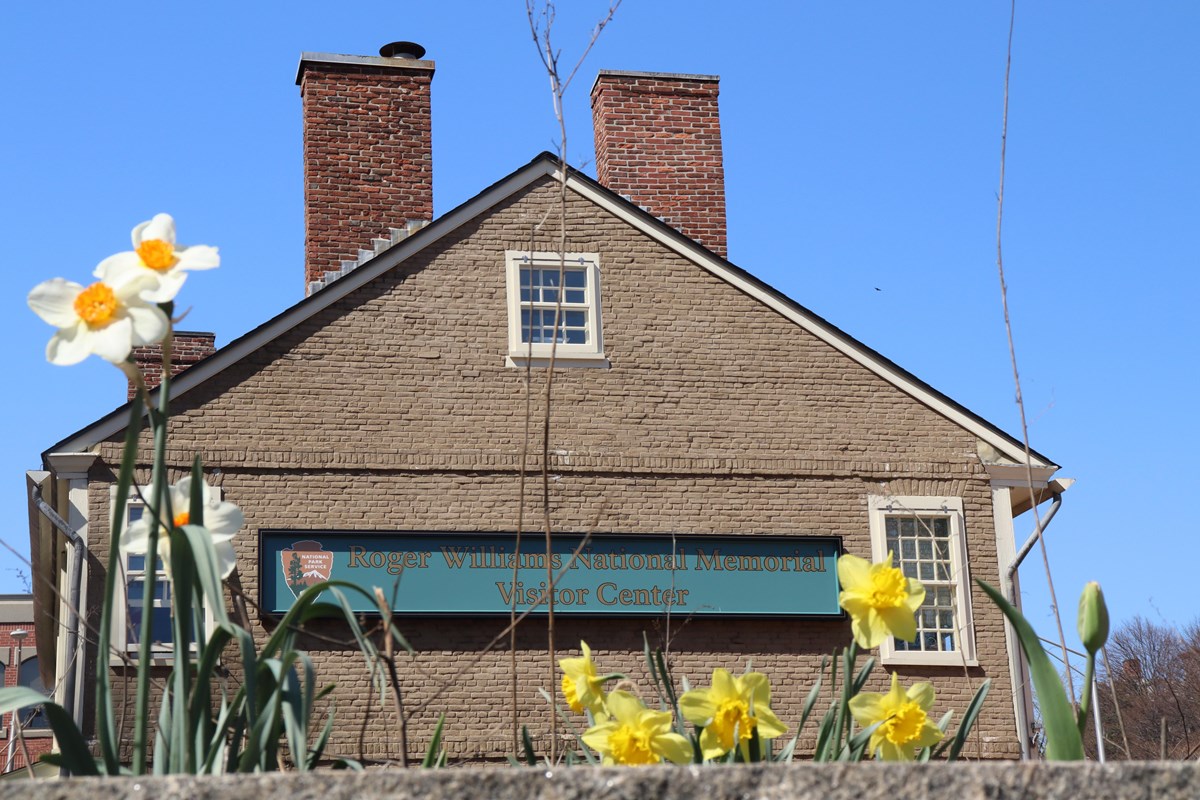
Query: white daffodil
{"points": [[156, 253], [108, 318], [222, 521]]}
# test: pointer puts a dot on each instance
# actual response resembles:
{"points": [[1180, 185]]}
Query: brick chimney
{"points": [[368, 155], [658, 142], [188, 347]]}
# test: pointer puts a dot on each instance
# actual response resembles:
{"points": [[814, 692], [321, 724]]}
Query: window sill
{"points": [[156, 660], [597, 361], [37, 733], [914, 659]]}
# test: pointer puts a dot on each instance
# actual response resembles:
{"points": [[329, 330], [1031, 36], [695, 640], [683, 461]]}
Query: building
{"points": [[26, 732], [385, 414]]}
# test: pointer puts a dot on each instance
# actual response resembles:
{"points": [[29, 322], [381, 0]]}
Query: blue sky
{"points": [[861, 155]]}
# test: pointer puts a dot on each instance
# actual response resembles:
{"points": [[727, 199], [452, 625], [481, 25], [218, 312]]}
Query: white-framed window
{"points": [[927, 539], [542, 285], [131, 602]]}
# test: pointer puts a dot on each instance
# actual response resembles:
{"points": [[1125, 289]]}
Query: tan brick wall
{"points": [[393, 409]]}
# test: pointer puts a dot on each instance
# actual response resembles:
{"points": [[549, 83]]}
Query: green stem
{"points": [[1085, 700], [158, 479], [851, 655], [105, 723]]}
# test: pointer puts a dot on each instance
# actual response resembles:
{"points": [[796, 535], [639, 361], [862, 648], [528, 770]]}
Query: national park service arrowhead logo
{"points": [[304, 564]]}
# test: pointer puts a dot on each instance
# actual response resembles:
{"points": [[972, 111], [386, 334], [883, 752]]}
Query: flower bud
{"points": [[1093, 618]]}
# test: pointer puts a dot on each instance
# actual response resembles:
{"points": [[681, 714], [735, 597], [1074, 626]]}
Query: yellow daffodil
{"points": [[906, 725], [879, 599], [581, 686], [155, 253], [633, 734], [222, 520], [108, 318], [732, 704]]}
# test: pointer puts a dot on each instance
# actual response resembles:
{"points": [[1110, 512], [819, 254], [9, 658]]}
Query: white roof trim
{"points": [[497, 193]]}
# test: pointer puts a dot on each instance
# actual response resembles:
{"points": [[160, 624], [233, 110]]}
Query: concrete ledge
{"points": [[1008, 781]]}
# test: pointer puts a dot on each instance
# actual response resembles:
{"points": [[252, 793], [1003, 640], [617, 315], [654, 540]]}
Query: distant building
{"points": [[374, 431], [20, 666]]}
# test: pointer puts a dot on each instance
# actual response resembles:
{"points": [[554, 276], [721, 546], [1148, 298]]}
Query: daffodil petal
{"points": [[868, 629], [921, 694], [112, 342], [723, 685], [596, 737], [198, 257], [853, 571], [147, 325], [930, 735], [769, 726], [916, 595], [162, 226], [118, 264], [54, 301], [895, 695], [900, 622], [165, 289], [710, 744], [623, 706], [697, 706], [226, 557], [867, 708], [135, 538], [181, 494], [756, 685], [224, 519], [890, 751], [673, 748]]}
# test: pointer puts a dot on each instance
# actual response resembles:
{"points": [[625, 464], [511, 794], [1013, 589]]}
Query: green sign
{"points": [[636, 574]]}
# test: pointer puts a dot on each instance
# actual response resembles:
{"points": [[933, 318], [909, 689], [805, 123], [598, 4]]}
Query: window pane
{"points": [[922, 548], [29, 675]]}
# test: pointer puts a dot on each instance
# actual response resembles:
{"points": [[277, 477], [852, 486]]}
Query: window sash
{"points": [[132, 600], [926, 536], [535, 288]]}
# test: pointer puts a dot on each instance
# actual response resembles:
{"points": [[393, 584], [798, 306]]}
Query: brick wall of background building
{"points": [[188, 347], [368, 158], [18, 650], [393, 409]]}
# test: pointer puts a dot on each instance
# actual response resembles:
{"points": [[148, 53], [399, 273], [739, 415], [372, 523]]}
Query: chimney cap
{"points": [[405, 50]]}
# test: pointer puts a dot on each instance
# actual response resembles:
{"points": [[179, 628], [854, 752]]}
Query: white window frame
{"points": [[522, 353], [882, 507], [159, 653]]}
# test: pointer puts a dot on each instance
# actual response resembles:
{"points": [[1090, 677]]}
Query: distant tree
{"points": [[1155, 674]]}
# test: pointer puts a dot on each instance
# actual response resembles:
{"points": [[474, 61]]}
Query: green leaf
{"points": [[434, 754], [1062, 737], [860, 680], [207, 569], [75, 755], [527, 743]]}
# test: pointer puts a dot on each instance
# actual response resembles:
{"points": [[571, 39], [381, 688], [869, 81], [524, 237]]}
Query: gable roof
{"points": [[547, 164]]}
